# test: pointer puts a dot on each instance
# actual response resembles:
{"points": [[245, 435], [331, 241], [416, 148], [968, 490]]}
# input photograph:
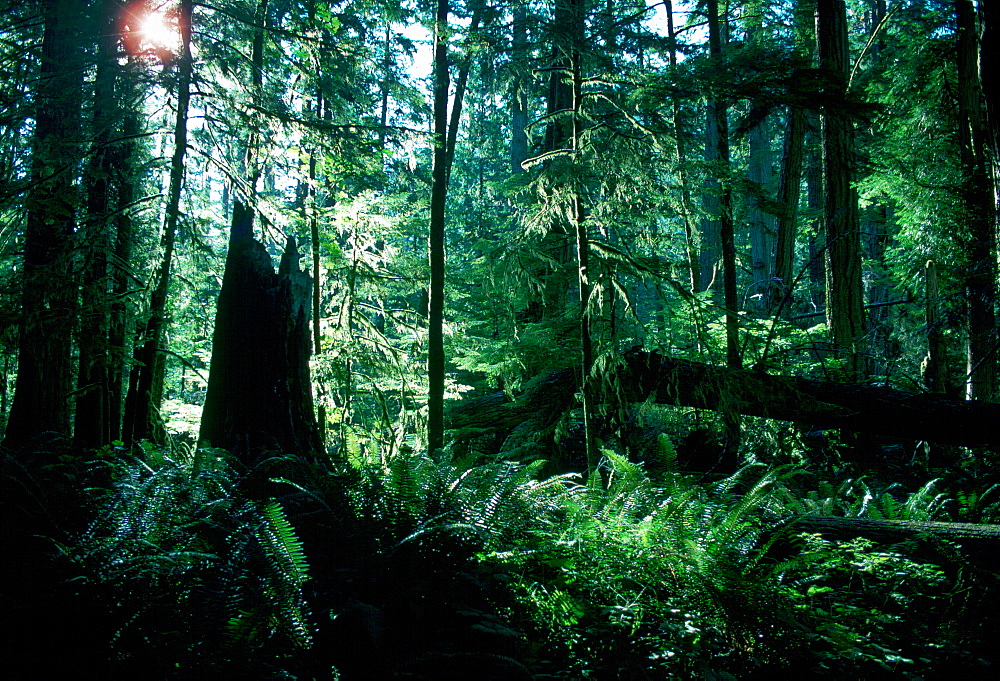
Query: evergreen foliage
{"points": [[481, 493]]}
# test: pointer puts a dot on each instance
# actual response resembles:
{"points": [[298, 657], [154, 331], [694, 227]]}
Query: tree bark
{"points": [[435, 247], [582, 246], [461, 83], [94, 415], [44, 379], [762, 223], [731, 418], [519, 86], [980, 214], [845, 314], [259, 397], [814, 202], [820, 404], [788, 198], [708, 227], [934, 367], [763, 227], [125, 180]]}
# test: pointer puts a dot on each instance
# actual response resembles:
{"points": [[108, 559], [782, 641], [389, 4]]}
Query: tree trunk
{"points": [[820, 404], [762, 223], [814, 202], [518, 88], [259, 397], [791, 175], [125, 179], [44, 379], [989, 53], [731, 418], [980, 214], [317, 312], [436, 254], [461, 83], [934, 367], [708, 257], [686, 209], [582, 244], [142, 406], [845, 315], [94, 416], [788, 198]]}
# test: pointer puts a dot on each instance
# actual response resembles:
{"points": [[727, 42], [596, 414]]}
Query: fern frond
{"points": [[282, 543]]}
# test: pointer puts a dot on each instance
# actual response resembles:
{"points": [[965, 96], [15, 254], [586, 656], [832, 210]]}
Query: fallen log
{"points": [[821, 405], [980, 541], [880, 410]]}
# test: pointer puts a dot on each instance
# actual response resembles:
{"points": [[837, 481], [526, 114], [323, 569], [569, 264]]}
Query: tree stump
{"points": [[259, 398]]}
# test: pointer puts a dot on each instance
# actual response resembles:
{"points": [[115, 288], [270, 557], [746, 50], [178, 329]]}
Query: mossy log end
{"points": [[818, 404]]}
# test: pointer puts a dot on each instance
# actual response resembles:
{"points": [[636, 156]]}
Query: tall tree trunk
{"points": [[436, 254], [687, 211], [44, 379], [558, 286], [845, 314], [708, 257], [791, 175], [980, 214], [461, 83], [145, 385], [762, 223], [317, 345], [582, 241], [125, 179], [933, 369], [989, 53], [519, 87], [789, 185], [814, 202], [94, 415], [760, 174], [731, 418]]}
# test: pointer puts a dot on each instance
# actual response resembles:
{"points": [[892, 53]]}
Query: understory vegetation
{"points": [[184, 564]]}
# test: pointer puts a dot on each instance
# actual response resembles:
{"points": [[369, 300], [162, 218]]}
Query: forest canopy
{"points": [[525, 285]]}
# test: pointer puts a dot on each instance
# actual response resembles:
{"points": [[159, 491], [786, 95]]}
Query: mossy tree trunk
{"points": [[97, 416], [844, 304], [977, 195], [720, 109], [435, 247], [44, 375]]}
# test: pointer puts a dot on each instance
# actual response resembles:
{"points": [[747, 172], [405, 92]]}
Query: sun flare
{"points": [[160, 31]]}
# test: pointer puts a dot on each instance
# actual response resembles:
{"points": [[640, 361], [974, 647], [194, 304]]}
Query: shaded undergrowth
{"points": [[191, 566]]}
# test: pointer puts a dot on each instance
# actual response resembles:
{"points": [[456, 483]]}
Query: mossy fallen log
{"points": [[818, 404]]}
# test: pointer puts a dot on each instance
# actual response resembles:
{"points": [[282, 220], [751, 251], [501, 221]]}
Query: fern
{"points": [[283, 546]]}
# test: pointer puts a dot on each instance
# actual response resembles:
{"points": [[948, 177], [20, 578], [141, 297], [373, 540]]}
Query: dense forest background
{"points": [[503, 340]]}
